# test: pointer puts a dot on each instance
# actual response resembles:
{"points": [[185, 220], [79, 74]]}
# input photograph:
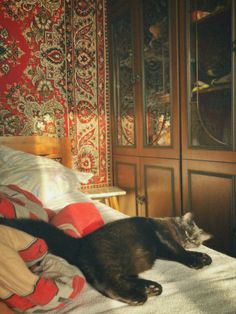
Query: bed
{"points": [[209, 290]]}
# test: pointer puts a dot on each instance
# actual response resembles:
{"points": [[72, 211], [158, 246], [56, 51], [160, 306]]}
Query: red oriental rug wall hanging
{"points": [[53, 76]]}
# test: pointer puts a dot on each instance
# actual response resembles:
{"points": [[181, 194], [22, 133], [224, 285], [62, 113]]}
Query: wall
{"points": [[53, 76]]}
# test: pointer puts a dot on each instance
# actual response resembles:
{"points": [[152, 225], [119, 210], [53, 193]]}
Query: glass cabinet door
{"points": [[123, 80], [209, 52], [156, 71]]}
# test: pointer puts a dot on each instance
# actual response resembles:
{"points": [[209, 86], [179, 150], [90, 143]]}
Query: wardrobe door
{"points": [[127, 176], [145, 105], [125, 101], [124, 79], [207, 80], [160, 188], [160, 152], [160, 97], [207, 69], [209, 192]]}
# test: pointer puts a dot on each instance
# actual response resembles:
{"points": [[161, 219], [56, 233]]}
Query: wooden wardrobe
{"points": [[173, 110]]}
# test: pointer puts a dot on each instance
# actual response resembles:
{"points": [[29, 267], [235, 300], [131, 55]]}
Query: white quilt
{"points": [[208, 290]]}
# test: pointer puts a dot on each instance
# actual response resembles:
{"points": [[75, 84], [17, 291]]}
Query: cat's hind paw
{"points": [[134, 298], [134, 290], [153, 288]]}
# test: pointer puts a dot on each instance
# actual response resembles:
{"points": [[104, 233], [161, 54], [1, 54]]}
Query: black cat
{"points": [[112, 257]]}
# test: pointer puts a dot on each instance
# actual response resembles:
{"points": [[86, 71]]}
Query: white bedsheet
{"points": [[208, 290]]}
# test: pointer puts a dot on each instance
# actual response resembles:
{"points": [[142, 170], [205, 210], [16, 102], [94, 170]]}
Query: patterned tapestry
{"points": [[53, 77]]}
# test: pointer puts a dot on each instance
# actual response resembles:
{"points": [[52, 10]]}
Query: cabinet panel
{"points": [[156, 64], [126, 172], [207, 91], [210, 78], [123, 79], [144, 72], [161, 187], [159, 60], [152, 185], [207, 64], [209, 192]]}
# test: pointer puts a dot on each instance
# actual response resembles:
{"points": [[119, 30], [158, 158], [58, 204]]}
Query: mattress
{"points": [[208, 290]]}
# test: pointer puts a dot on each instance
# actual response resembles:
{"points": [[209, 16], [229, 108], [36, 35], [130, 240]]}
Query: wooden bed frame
{"points": [[42, 146]]}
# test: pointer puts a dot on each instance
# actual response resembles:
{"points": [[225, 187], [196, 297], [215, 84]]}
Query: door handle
{"points": [[140, 199]]}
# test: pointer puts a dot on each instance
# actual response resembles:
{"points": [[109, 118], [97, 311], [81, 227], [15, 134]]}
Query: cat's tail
{"points": [[57, 241]]}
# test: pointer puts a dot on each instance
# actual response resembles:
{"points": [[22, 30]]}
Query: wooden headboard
{"points": [[42, 146]]}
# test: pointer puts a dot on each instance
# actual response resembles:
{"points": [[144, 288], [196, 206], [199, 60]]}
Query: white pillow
{"points": [[15, 158], [43, 177]]}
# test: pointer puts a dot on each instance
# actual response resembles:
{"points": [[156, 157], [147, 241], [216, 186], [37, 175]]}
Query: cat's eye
{"points": [[187, 234]]}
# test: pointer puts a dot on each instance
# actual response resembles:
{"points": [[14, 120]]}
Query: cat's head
{"points": [[190, 234]]}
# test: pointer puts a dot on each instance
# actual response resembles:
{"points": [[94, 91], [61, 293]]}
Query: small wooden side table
{"points": [[109, 194]]}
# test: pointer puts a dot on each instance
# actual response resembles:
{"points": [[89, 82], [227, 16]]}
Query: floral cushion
{"points": [[31, 279], [18, 203], [78, 219]]}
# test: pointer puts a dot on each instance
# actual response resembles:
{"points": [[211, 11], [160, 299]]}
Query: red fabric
{"points": [[84, 217], [17, 203], [7, 208], [78, 284], [44, 292], [27, 194], [35, 251], [47, 292], [51, 213], [19, 302]]}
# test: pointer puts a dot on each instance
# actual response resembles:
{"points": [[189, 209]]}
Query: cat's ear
{"points": [[205, 236], [188, 217]]}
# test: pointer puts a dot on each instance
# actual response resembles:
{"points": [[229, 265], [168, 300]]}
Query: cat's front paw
{"points": [[198, 260]]}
